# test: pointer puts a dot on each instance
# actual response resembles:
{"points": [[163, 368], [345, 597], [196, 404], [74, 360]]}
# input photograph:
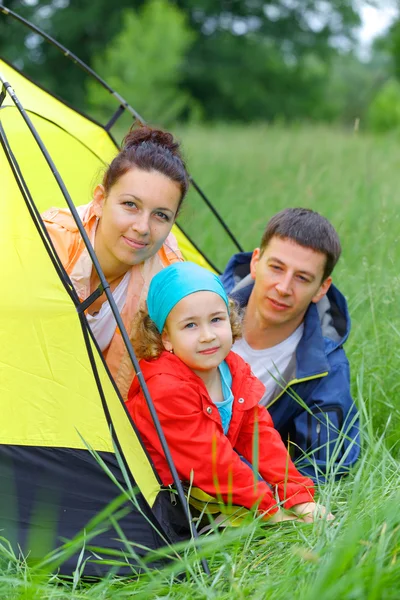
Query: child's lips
{"points": [[209, 350]]}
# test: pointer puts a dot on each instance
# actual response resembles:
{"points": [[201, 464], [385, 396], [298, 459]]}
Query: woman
{"points": [[129, 224]]}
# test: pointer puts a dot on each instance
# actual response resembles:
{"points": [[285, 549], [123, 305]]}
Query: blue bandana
{"points": [[175, 282]]}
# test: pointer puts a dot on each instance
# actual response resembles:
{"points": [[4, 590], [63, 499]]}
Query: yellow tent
{"points": [[52, 409]]}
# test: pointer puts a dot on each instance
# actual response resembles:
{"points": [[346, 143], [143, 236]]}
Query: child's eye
{"points": [[216, 319], [190, 325]]}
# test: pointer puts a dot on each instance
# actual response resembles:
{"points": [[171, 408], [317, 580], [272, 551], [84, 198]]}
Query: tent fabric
{"points": [[79, 147], [52, 410], [59, 492]]}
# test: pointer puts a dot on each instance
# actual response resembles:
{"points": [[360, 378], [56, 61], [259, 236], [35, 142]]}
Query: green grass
{"points": [[251, 173]]}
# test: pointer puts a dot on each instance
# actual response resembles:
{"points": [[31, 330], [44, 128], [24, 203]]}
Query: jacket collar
{"points": [[316, 343], [243, 381]]}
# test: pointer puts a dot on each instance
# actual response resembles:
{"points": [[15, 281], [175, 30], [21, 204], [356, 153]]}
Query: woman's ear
{"points": [[98, 200], [166, 341]]}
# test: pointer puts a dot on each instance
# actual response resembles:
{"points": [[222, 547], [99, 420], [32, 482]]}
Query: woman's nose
{"points": [[141, 224]]}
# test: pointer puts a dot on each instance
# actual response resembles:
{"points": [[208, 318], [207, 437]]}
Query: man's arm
{"points": [[325, 435]]}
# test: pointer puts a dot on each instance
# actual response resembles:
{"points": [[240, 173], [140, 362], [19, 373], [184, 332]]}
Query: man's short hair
{"points": [[307, 228]]}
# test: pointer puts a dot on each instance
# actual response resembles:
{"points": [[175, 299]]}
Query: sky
{"points": [[375, 21]]}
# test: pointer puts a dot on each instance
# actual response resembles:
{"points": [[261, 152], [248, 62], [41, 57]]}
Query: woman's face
{"points": [[135, 219]]}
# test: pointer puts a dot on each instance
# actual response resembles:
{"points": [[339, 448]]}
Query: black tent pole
{"points": [[105, 287], [122, 103]]}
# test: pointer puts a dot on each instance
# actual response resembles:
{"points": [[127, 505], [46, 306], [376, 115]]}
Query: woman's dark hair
{"points": [[149, 149]]}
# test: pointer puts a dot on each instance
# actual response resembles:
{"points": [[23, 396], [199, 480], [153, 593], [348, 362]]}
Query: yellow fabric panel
{"points": [[136, 458], [35, 100], [75, 146], [79, 167], [233, 515], [47, 388], [189, 252]]}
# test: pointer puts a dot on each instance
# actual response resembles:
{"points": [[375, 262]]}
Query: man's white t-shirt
{"points": [[270, 364]]}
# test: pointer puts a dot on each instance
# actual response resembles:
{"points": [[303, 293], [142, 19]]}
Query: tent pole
{"points": [[106, 288], [123, 103]]}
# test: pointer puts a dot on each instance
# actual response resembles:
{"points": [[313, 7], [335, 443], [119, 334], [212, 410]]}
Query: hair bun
{"points": [[147, 134]]}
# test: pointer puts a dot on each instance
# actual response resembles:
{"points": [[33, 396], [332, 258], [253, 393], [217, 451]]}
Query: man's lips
{"points": [[135, 243], [278, 305], [209, 350]]}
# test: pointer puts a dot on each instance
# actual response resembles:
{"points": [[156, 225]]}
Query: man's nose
{"points": [[284, 285]]}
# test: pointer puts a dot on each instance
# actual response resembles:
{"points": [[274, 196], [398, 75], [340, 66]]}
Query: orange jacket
{"points": [[76, 260], [193, 429]]}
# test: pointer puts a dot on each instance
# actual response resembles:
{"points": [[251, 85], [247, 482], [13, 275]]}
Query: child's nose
{"points": [[207, 333]]}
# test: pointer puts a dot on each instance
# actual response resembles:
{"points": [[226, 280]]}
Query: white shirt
{"points": [[270, 364], [103, 323]]}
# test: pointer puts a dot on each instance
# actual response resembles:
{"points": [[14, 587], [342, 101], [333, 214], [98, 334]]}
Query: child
{"points": [[207, 399]]}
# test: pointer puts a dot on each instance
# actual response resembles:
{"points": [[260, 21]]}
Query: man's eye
{"points": [[304, 279], [276, 268]]}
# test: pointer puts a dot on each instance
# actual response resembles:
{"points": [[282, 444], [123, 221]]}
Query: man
{"points": [[295, 323]]}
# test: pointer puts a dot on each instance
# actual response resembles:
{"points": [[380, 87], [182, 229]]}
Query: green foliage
{"points": [[384, 111], [251, 80], [144, 63], [249, 61], [251, 173], [352, 86]]}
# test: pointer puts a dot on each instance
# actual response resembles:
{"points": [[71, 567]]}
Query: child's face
{"points": [[199, 332]]}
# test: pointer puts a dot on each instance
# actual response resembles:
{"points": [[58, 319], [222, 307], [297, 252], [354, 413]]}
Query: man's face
{"points": [[287, 278]]}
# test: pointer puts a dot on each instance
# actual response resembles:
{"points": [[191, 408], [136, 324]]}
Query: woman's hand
{"points": [[311, 511]]}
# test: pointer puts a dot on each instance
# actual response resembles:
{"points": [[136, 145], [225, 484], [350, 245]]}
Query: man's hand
{"points": [[311, 511]]}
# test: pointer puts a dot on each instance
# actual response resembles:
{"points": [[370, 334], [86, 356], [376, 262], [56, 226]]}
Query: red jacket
{"points": [[192, 427]]}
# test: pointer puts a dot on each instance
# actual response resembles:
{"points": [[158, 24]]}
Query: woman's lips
{"points": [[135, 244]]}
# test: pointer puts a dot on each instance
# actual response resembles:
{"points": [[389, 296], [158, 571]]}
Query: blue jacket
{"points": [[315, 412]]}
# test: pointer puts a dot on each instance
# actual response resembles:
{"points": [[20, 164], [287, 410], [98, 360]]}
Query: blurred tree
{"points": [[384, 112], [389, 44], [263, 60], [251, 59], [352, 85], [144, 63]]}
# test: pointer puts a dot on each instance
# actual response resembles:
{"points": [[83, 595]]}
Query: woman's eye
{"points": [[129, 204], [162, 216]]}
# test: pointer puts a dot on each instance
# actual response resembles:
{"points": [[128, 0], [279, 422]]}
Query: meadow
{"points": [[249, 173]]}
